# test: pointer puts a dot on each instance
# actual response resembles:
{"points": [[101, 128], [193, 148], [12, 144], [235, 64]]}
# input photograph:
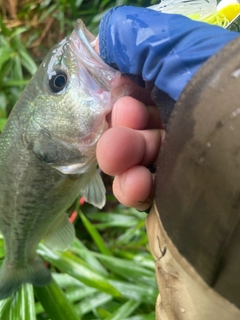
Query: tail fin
{"points": [[12, 277]]}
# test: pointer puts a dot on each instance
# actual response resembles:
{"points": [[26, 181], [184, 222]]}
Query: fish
{"points": [[48, 155], [208, 11]]}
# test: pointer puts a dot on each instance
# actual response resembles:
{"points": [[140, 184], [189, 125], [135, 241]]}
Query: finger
{"points": [[120, 148], [129, 112], [134, 188], [134, 114], [153, 140]]}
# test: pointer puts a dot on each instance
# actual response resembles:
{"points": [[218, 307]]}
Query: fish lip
{"points": [[80, 43], [81, 36]]}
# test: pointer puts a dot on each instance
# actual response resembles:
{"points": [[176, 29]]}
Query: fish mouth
{"points": [[81, 44]]}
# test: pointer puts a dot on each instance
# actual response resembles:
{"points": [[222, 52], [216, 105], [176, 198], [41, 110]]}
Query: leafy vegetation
{"points": [[108, 273], [109, 276]]}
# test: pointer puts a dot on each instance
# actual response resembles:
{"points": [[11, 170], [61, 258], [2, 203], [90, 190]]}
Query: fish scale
{"points": [[47, 155]]}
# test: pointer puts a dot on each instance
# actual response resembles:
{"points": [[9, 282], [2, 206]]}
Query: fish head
{"points": [[74, 91]]}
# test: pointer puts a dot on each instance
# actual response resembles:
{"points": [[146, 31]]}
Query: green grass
{"points": [[116, 280]]}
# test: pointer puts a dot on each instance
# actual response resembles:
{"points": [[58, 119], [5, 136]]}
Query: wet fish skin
{"points": [[47, 156]]}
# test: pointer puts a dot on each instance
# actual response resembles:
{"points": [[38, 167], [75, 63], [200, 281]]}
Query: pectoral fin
{"points": [[61, 236], [94, 192]]}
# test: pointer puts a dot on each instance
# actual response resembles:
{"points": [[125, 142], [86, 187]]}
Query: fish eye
{"points": [[57, 80]]}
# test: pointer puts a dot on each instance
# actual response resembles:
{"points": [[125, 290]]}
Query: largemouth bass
{"points": [[47, 155]]}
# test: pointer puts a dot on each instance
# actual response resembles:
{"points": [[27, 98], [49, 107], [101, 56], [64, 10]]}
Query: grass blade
{"points": [[20, 306], [72, 265], [88, 256], [55, 303], [92, 303], [128, 269], [124, 311], [17, 31], [28, 62], [138, 292], [151, 316], [95, 235], [2, 123]]}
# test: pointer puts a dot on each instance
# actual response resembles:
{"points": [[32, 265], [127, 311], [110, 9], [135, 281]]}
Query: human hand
{"points": [[128, 148], [165, 51]]}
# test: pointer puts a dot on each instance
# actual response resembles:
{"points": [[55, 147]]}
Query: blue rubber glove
{"points": [[165, 49]]}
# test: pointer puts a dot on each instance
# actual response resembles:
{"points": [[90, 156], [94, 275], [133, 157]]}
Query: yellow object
{"points": [[217, 18], [226, 11], [229, 8], [202, 10]]}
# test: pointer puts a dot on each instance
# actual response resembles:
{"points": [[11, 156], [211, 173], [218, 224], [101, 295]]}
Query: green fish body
{"points": [[47, 155]]}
